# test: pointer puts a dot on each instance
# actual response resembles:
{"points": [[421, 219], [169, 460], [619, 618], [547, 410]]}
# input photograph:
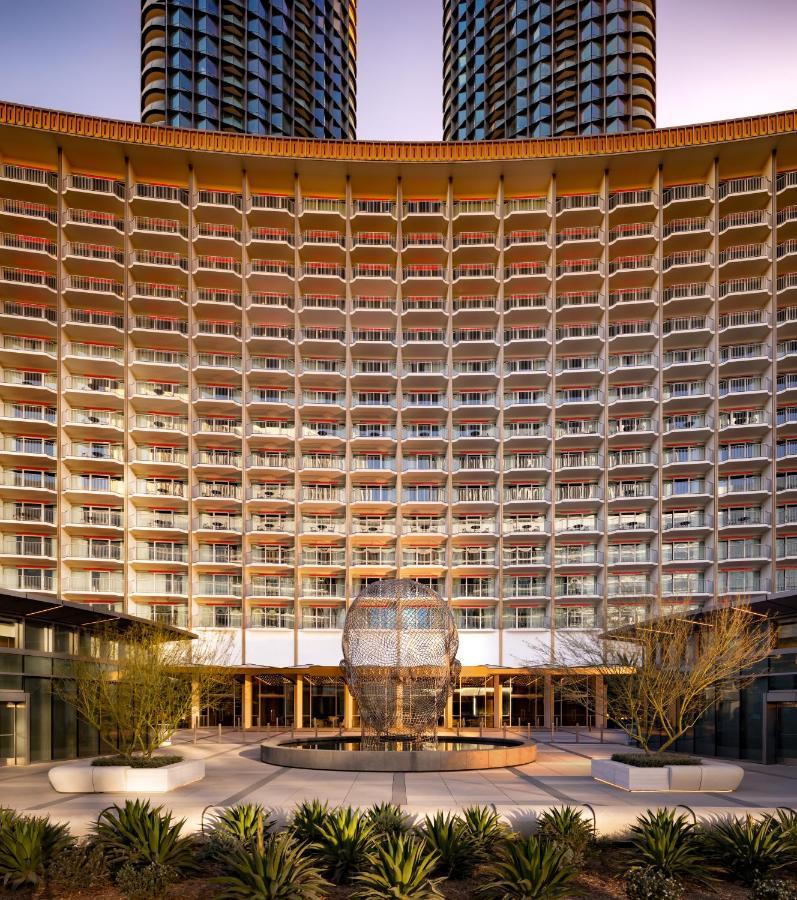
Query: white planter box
{"points": [[83, 778], [700, 777]]}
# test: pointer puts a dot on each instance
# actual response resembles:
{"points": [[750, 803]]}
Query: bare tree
{"points": [[664, 674], [141, 683]]}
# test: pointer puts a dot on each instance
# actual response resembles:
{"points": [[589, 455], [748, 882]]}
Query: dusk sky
{"points": [[716, 59]]}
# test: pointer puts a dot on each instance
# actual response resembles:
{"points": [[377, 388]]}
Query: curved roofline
{"points": [[78, 124]]}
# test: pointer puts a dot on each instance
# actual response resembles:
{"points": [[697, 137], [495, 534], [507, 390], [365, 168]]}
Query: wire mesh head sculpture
{"points": [[399, 659]]}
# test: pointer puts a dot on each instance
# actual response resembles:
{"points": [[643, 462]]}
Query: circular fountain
{"points": [[399, 662]]}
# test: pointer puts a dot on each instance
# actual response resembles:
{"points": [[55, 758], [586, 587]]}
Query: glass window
{"points": [[9, 633]]}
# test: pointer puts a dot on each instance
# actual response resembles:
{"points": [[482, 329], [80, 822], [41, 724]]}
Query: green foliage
{"points": [[527, 869], [785, 821], [663, 841], [652, 884], [151, 882], [283, 870], [138, 762], [749, 849], [387, 820], [27, 844], [447, 836], [772, 889], [308, 816], [246, 823], [342, 844], [77, 868], [485, 827], [400, 868], [655, 760], [567, 828], [139, 835]]}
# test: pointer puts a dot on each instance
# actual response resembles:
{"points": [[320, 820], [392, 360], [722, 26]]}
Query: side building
{"points": [[275, 67], [242, 377], [547, 68]]}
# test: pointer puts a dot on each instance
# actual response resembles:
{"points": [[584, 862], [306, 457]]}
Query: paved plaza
{"points": [[559, 776]]}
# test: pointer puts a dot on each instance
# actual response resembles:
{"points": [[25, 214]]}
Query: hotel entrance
{"points": [[13, 728]]}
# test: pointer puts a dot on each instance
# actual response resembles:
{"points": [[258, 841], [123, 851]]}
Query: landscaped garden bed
{"points": [[126, 774], [140, 852], [665, 772]]}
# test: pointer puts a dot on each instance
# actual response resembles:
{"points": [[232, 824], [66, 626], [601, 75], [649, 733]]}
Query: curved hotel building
{"points": [[547, 67], [276, 67], [241, 377]]}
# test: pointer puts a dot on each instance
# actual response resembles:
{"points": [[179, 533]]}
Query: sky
{"points": [[716, 59]]}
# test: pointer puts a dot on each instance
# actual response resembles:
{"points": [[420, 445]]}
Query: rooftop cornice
{"points": [[76, 124]]}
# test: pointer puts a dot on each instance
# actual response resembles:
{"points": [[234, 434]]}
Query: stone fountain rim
{"points": [[509, 751]]}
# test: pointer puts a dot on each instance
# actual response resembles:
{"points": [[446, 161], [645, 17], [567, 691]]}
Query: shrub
{"points": [[78, 867], [27, 843], [785, 821], [527, 869], [138, 762], [387, 820], [342, 844], [401, 868], [772, 889], [151, 882], [283, 870], [654, 760], [308, 816], [485, 827], [245, 823], [651, 884], [668, 843], [749, 849], [566, 828], [447, 836], [139, 835]]}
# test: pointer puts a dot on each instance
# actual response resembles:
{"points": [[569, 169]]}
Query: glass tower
{"points": [[542, 68], [274, 67]]}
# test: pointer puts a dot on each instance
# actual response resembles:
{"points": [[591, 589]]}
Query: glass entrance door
{"points": [[13, 733]]}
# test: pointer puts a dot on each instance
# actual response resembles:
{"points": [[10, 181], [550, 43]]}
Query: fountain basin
{"points": [[343, 754]]}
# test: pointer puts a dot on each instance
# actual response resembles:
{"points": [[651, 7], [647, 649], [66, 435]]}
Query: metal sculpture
{"points": [[399, 660]]}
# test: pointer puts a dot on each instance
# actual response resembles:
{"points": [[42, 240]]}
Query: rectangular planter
{"points": [[700, 777], [84, 778]]}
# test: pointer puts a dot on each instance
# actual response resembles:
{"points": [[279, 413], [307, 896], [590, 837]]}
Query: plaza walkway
{"points": [[559, 776]]}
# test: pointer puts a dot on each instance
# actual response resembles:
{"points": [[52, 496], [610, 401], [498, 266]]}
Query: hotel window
{"points": [[474, 618]]}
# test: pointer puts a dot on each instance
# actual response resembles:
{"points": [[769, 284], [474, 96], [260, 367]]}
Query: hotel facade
{"points": [[276, 67], [547, 68], [242, 377]]}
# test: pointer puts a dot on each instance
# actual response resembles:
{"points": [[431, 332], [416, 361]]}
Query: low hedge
{"points": [[654, 760], [138, 762]]}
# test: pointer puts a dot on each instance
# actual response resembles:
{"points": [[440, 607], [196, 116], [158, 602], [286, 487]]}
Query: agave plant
{"points": [[342, 844], [527, 869], [401, 868], [485, 827], [749, 849], [387, 819], [785, 821], [27, 844], [307, 818], [140, 835], [447, 836], [568, 829], [665, 842], [246, 823], [282, 870]]}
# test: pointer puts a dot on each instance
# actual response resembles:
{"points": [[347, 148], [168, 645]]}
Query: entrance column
{"points": [[498, 701], [547, 700], [449, 714], [348, 708], [298, 699], [600, 701], [246, 703]]}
